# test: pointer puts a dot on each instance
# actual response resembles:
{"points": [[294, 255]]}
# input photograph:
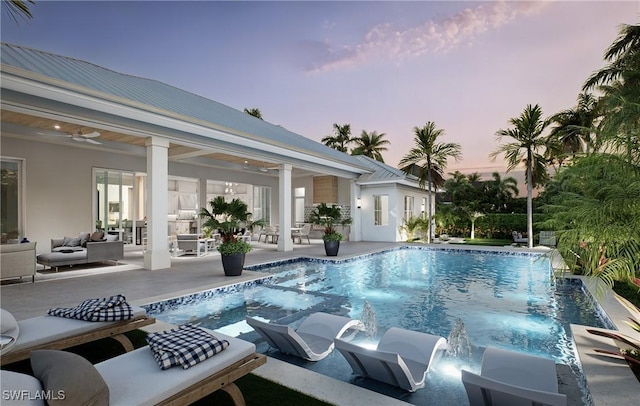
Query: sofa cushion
{"points": [[97, 236], [71, 374], [71, 242], [111, 237], [84, 237], [66, 249]]}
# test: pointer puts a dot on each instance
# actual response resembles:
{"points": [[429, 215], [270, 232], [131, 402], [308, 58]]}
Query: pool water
{"points": [[505, 300]]}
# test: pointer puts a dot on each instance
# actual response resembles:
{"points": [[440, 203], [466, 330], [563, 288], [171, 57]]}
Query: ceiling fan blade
{"points": [[79, 139], [90, 141], [91, 134]]}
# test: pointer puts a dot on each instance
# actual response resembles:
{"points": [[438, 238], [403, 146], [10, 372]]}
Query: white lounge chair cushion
{"points": [[43, 329], [69, 379], [13, 384], [135, 379], [8, 324]]}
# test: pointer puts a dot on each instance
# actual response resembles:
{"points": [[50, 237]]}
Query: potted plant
{"points": [[228, 218], [329, 217]]}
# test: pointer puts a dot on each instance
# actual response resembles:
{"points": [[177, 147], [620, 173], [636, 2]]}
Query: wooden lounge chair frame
{"points": [[223, 380], [113, 330]]}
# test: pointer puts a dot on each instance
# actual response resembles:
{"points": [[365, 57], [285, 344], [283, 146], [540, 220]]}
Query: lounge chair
{"points": [[246, 236], [518, 238], [135, 378], [57, 333], [402, 357], [302, 233], [312, 340], [547, 238], [190, 244], [509, 378]]}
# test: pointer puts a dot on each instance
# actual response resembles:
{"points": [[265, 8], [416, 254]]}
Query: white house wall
{"points": [[370, 231], [59, 178]]}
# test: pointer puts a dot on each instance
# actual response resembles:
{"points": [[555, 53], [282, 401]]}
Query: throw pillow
{"points": [[71, 242], [111, 237], [84, 237], [68, 373], [97, 236]]}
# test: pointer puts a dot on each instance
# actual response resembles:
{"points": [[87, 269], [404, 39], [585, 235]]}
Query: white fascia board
{"points": [[46, 91]]}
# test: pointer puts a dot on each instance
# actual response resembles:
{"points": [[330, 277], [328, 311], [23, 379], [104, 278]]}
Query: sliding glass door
{"points": [[114, 202]]}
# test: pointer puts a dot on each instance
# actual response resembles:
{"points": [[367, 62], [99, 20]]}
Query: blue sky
{"points": [[383, 66]]}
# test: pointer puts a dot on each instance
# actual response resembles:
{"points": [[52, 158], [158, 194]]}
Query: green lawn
{"points": [[487, 242]]}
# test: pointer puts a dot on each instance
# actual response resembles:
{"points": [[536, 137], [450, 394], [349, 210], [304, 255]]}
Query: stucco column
{"points": [[202, 200], [284, 193], [356, 226], [157, 255]]}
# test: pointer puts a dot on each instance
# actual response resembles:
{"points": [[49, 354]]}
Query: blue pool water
{"points": [[505, 300]]}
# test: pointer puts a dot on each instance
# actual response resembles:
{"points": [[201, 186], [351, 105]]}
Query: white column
{"points": [[157, 254], [202, 200], [284, 193], [356, 226]]}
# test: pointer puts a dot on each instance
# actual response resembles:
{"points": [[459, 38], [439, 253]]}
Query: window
{"points": [[114, 200], [381, 210], [262, 203], [11, 219], [299, 204], [408, 208]]}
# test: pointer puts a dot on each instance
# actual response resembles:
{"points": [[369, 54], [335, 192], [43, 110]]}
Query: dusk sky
{"points": [[383, 66]]}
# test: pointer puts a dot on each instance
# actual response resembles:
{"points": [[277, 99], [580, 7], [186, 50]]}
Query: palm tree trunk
{"points": [[529, 200], [429, 203]]}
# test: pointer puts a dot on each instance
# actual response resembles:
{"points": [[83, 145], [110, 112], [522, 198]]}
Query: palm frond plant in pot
{"points": [[329, 217], [228, 218]]}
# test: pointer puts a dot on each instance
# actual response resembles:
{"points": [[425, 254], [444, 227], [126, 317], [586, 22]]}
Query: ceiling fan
{"points": [[79, 136]]}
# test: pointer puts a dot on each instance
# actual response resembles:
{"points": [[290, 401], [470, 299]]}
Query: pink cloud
{"points": [[385, 41]]}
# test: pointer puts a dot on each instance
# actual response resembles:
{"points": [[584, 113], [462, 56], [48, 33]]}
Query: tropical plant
{"points": [[254, 112], [370, 144], [427, 160], [415, 225], [526, 133], [500, 193], [228, 218], [341, 138], [574, 129], [619, 82], [329, 217], [18, 8], [595, 206]]}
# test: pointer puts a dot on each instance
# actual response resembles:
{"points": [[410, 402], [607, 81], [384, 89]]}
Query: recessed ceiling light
{"points": [[57, 127]]}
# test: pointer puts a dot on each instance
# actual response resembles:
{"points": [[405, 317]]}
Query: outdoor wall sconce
{"points": [[358, 202]]}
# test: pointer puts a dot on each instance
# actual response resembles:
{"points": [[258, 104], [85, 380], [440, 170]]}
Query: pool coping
{"points": [[598, 372]]}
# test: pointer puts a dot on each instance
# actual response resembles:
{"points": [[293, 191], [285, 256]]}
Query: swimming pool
{"points": [[508, 300]]}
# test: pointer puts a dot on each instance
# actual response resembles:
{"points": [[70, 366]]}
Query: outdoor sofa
{"points": [[18, 260], [84, 249]]}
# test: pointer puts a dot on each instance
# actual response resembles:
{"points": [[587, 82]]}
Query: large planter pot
{"points": [[331, 248], [233, 264]]}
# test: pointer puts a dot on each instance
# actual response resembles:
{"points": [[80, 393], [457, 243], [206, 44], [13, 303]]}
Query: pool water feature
{"points": [[507, 300]]}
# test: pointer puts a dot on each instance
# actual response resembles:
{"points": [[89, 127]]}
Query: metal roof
{"points": [[162, 96], [381, 172]]}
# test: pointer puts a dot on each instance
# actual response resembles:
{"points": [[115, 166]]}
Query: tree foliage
{"points": [[370, 144]]}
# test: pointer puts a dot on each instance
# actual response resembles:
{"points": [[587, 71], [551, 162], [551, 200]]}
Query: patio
{"points": [[190, 274]]}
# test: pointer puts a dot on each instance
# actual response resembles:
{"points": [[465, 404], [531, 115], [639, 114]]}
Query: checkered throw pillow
{"points": [[113, 308], [185, 346]]}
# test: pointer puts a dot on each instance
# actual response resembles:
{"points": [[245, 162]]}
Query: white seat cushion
{"points": [[43, 329], [21, 389], [135, 378]]}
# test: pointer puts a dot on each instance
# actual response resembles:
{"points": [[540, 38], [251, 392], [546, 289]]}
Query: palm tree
{"points": [[575, 127], [254, 112], [429, 158], [501, 191], [371, 145], [623, 55], [528, 140], [17, 8], [341, 138]]}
